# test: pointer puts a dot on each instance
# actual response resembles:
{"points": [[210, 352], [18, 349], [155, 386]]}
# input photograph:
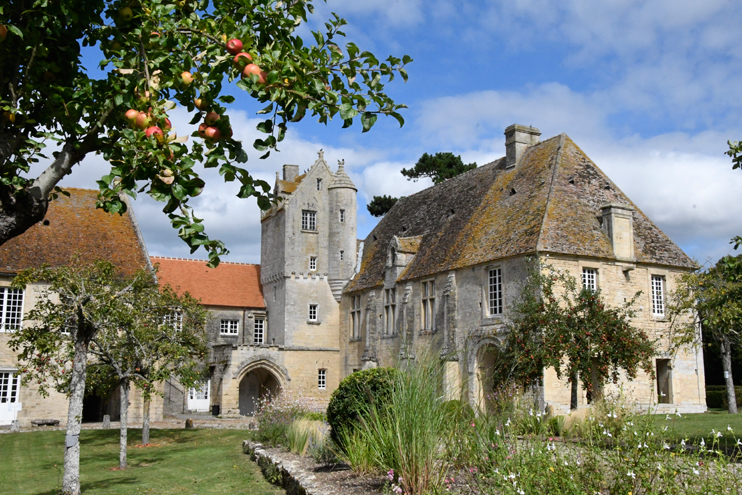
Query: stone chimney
{"points": [[618, 223], [290, 172], [517, 139]]}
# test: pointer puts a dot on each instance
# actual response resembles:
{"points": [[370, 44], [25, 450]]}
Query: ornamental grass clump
{"points": [[276, 413]]}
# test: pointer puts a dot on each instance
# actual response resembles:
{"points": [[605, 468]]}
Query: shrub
{"points": [[355, 394], [716, 396]]}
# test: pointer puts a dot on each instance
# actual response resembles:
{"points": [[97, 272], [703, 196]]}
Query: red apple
{"points": [[211, 117], [142, 121], [201, 130], [234, 46], [156, 132], [187, 78], [131, 115], [254, 69], [242, 58], [201, 104], [3, 32], [212, 134], [168, 125]]}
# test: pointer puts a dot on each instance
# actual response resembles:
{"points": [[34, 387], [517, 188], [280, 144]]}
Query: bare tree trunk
{"points": [[124, 426], [573, 395], [71, 479], [726, 361], [145, 421]]}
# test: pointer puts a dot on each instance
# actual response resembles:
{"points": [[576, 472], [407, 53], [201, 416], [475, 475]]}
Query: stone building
{"points": [[442, 268], [73, 227]]}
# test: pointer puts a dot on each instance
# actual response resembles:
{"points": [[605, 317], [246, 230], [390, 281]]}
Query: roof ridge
{"points": [[194, 259], [557, 160]]}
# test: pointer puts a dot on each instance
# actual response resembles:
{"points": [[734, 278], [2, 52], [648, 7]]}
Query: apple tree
{"points": [[157, 54]]}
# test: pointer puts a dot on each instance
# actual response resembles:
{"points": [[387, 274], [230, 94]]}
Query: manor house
{"points": [[438, 274]]}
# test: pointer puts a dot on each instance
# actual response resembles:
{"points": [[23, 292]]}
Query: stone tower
{"points": [[342, 219]]}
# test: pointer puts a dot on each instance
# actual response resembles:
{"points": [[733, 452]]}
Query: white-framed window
{"points": [[228, 327], [355, 317], [313, 312], [308, 220], [201, 392], [494, 291], [658, 295], [10, 384], [342, 216], [590, 279], [259, 332], [390, 308], [319, 184], [11, 309], [428, 310], [322, 379], [174, 319], [312, 263], [342, 255]]}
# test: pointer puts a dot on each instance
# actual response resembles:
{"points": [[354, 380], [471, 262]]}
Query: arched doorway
{"points": [[255, 385], [487, 357]]}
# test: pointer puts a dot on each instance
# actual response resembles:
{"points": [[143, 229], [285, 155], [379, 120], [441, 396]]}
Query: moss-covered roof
{"points": [[549, 203]]}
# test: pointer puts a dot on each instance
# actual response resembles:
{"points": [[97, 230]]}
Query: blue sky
{"points": [[651, 91]]}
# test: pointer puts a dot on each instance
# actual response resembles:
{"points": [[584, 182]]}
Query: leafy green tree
{"points": [[735, 151], [716, 297], [557, 323], [380, 205], [159, 336], [439, 167], [157, 54], [74, 305]]}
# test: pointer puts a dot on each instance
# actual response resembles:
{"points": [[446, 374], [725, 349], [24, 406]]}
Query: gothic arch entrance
{"points": [[257, 384]]}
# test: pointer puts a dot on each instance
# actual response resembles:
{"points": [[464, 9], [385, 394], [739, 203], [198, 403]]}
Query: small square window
{"points": [[312, 263], [342, 216], [322, 379], [259, 333], [228, 327], [312, 312], [319, 184], [308, 220], [590, 279]]}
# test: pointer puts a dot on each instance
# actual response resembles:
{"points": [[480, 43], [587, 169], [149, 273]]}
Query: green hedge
{"points": [[354, 394], [716, 396]]}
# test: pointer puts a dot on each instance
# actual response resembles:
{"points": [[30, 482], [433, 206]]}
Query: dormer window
{"points": [[319, 184]]}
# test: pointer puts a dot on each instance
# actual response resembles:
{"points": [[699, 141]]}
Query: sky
{"points": [[651, 91]]}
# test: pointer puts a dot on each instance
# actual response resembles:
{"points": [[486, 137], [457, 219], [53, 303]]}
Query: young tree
{"points": [[158, 336], [439, 167], [557, 323], [157, 54], [716, 297], [79, 301]]}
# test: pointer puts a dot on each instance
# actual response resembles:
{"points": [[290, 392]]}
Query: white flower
{"points": [[659, 467], [703, 443], [695, 471], [508, 423], [718, 434], [577, 461], [511, 476], [521, 492], [665, 428], [739, 442], [729, 428], [682, 443], [631, 475], [667, 417], [677, 413], [666, 446], [497, 431]]}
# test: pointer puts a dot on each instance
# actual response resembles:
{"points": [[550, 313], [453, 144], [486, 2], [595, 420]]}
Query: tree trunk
{"points": [[71, 479], [124, 417], [573, 395], [145, 421], [18, 212], [726, 361]]}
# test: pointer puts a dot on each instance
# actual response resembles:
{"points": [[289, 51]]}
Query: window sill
{"points": [[233, 335], [313, 322], [427, 332], [390, 336], [356, 339], [310, 231], [492, 320]]}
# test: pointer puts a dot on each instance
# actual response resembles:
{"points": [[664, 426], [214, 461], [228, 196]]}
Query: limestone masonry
{"points": [[437, 274]]}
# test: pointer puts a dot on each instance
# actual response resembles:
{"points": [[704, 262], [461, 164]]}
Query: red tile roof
{"points": [[73, 226], [229, 284]]}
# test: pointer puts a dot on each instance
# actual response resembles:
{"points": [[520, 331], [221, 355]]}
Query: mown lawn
{"points": [[201, 462], [697, 426]]}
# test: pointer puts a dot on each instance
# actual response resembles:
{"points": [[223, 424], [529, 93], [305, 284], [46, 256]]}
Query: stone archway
{"points": [[257, 384]]}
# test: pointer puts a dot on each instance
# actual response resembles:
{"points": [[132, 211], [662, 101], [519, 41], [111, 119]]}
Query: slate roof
{"points": [[74, 226], [549, 203], [229, 284]]}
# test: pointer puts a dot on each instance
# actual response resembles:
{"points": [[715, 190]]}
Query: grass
{"points": [[697, 426], [200, 462]]}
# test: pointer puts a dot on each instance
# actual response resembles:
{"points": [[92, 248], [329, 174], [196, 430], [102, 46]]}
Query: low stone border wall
{"points": [[286, 474]]}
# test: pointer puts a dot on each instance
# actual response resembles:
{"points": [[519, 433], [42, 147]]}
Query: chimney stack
{"points": [[290, 172], [618, 223], [517, 139]]}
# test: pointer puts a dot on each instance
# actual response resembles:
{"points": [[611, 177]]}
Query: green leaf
{"points": [[368, 119], [179, 191], [16, 31], [347, 111], [227, 99]]}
